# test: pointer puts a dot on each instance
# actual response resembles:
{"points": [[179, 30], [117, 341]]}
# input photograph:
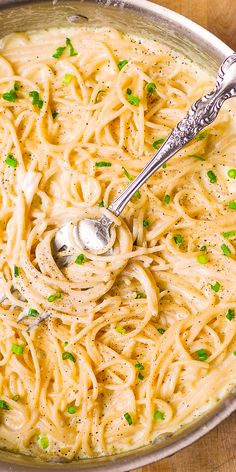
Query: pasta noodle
{"points": [[112, 351]]}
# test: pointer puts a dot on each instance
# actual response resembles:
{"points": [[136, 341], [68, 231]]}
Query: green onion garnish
{"points": [[66, 343], [134, 100], [71, 409], [103, 164], [16, 271], [203, 248], [17, 349], [164, 166], [216, 287], [203, 258], [59, 52], [159, 415], [230, 314], [72, 51], [10, 96], [54, 114], [120, 329], [151, 87], [4, 405], [232, 204], [129, 91], [122, 64], [161, 330], [16, 86], [16, 398], [158, 143], [212, 176], [234, 353], [140, 376], [128, 418], [67, 355], [232, 173], [146, 223], [196, 156], [67, 79], [202, 355], [44, 442], [228, 234], [11, 161], [54, 296], [202, 135], [139, 366], [80, 259], [101, 204], [226, 250], [36, 100], [32, 312], [178, 239], [166, 199], [127, 174], [140, 295]]}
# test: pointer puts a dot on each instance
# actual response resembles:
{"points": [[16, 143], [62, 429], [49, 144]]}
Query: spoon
{"points": [[94, 234]]}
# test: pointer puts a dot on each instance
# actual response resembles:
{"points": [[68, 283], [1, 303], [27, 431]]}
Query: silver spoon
{"points": [[94, 234]]}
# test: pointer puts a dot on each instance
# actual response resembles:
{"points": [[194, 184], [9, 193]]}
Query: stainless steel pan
{"points": [[146, 19]]}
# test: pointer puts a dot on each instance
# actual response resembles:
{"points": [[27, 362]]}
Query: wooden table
{"points": [[216, 452]]}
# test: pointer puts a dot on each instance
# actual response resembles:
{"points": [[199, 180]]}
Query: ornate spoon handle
{"points": [[200, 115]]}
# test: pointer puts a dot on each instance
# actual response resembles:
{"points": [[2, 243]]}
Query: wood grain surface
{"points": [[215, 452]]}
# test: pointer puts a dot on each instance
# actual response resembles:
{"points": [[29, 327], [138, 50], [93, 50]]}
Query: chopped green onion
{"points": [[164, 166], [101, 204], [212, 176], [66, 343], [230, 314], [17, 349], [10, 96], [203, 258], [98, 94], [202, 355], [120, 329], [232, 204], [129, 91], [134, 100], [161, 330], [151, 87], [226, 250], [139, 366], [232, 173], [228, 234], [234, 353], [216, 287], [36, 100], [80, 259], [54, 296], [67, 79], [203, 248], [32, 312], [16, 86], [140, 376], [166, 199], [71, 409], [4, 405], [59, 52], [127, 174], [67, 355], [54, 114], [16, 398], [72, 51], [16, 271], [146, 223], [178, 239], [103, 164], [122, 64], [201, 136], [140, 295], [158, 143], [11, 161], [159, 415], [196, 156], [44, 442], [128, 418], [137, 195]]}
